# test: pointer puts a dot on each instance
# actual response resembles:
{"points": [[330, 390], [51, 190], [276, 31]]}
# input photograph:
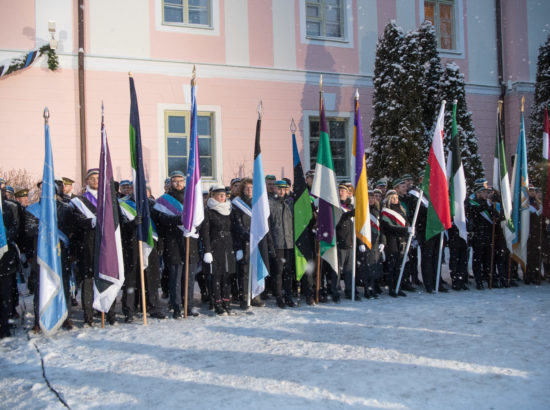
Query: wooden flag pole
{"points": [[492, 270], [103, 319], [186, 294], [142, 277], [317, 285]]}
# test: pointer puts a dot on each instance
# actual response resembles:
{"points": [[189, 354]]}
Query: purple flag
{"points": [[108, 262]]}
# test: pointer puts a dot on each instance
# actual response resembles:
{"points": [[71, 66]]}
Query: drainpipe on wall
{"points": [[81, 99], [500, 63]]}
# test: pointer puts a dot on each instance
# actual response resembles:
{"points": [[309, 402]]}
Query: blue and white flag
{"points": [[3, 238], [259, 226], [52, 303], [520, 200]]}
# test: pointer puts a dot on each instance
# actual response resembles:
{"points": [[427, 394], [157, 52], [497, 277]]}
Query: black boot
{"points": [[281, 302], [218, 308]]}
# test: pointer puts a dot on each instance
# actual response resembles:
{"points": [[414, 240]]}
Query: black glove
{"points": [[138, 220]]}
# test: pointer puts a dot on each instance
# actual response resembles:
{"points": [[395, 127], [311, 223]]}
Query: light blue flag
{"points": [[3, 238], [520, 201], [52, 304], [259, 226]]}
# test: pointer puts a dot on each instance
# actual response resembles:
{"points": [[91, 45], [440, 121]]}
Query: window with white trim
{"points": [[325, 19], [442, 15], [338, 136], [195, 13], [177, 129]]}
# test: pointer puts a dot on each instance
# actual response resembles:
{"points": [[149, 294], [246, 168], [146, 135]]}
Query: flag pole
{"points": [[318, 284], [186, 295], [298, 282], [354, 252], [438, 264], [141, 272], [409, 240]]}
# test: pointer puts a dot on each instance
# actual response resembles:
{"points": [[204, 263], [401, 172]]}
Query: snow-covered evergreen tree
{"points": [[451, 87], [396, 128], [429, 59], [541, 101]]}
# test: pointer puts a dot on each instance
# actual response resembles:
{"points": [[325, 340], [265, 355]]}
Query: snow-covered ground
{"points": [[461, 350]]}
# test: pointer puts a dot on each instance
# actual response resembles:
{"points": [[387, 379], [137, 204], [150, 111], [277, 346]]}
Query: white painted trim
{"points": [[306, 132], [217, 141], [346, 42], [459, 33], [214, 30]]}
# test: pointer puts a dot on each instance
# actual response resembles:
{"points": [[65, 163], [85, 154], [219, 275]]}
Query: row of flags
{"points": [[445, 188]]}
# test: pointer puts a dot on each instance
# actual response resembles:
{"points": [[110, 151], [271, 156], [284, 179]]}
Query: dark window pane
{"points": [[314, 128], [313, 28], [206, 167], [177, 146], [313, 11], [333, 30], [176, 124], [334, 2], [338, 149], [340, 167], [313, 146], [205, 146], [173, 14], [177, 164], [173, 2], [337, 129], [198, 16], [332, 14], [203, 123], [201, 3]]}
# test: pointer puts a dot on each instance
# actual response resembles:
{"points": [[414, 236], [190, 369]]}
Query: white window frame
{"points": [[458, 17], [347, 30], [212, 30], [349, 142], [217, 162]]}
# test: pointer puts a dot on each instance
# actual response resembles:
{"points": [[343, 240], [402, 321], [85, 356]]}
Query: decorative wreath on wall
{"points": [[19, 63]]}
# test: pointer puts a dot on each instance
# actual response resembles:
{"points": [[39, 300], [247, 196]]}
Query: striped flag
{"points": [[303, 215], [501, 182], [435, 183], [259, 222], [362, 211], [52, 304], [520, 200], [193, 205], [457, 181], [144, 231], [546, 164], [324, 187], [3, 237], [108, 262]]}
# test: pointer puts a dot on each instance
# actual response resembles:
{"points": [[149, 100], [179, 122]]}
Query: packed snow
{"points": [[458, 350]]}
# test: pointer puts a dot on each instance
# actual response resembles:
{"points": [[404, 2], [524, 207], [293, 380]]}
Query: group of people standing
{"points": [[219, 252]]}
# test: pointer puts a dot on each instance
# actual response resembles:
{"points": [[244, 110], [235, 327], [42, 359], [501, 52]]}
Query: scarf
{"points": [[223, 208]]}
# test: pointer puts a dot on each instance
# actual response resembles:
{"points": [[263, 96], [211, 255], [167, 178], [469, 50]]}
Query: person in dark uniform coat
{"points": [[219, 249], [395, 227], [84, 246]]}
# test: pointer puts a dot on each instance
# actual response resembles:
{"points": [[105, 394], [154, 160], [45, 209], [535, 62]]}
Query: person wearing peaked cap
{"points": [[2, 183], [167, 214], [287, 189], [22, 196], [378, 195], [395, 226], [270, 185], [10, 192], [126, 187], [408, 179], [382, 185], [220, 247], [281, 226], [309, 178], [480, 217], [235, 185], [67, 188]]}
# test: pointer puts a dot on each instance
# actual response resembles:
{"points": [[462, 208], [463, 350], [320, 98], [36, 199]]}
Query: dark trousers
{"points": [[394, 266], [174, 280], [481, 263], [283, 273], [458, 259], [5, 298], [430, 257], [345, 270], [221, 287], [190, 285]]}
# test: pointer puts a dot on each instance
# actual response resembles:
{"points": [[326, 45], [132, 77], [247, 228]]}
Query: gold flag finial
{"points": [[321, 83], [194, 76], [293, 127], [357, 94], [500, 102], [130, 74], [522, 102]]}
